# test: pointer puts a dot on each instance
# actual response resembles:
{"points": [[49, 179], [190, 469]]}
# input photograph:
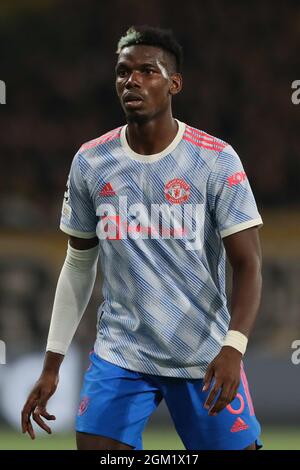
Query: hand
{"points": [[36, 404], [225, 368]]}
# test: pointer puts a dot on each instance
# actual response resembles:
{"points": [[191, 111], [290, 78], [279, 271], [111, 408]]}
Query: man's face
{"points": [[145, 82]]}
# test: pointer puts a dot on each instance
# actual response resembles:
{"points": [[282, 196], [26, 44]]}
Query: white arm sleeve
{"points": [[73, 292]]}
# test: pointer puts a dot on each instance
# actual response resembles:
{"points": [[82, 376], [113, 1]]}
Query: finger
{"points": [[26, 412], [37, 418], [212, 395], [46, 415], [233, 394], [30, 430], [42, 404], [222, 401], [208, 378], [41, 423]]}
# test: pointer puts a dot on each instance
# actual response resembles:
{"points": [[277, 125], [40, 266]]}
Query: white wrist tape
{"points": [[73, 292], [236, 340]]}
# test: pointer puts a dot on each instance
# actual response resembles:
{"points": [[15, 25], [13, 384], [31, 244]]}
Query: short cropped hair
{"points": [[152, 36]]}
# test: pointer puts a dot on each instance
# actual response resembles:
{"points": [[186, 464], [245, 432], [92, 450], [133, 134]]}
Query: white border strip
{"points": [[242, 226], [75, 233]]}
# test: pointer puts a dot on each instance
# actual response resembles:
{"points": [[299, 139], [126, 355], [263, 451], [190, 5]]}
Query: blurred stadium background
{"points": [[57, 59]]}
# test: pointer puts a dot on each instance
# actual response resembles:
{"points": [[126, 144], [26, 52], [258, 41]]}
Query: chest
{"points": [[170, 181], [160, 200]]}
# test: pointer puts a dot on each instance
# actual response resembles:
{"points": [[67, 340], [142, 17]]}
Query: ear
{"points": [[175, 83]]}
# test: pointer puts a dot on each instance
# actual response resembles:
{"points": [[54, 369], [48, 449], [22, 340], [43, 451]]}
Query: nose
{"points": [[133, 80]]}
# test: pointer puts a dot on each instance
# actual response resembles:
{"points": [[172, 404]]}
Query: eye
{"points": [[122, 73], [148, 71]]}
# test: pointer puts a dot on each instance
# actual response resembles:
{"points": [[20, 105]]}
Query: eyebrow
{"points": [[143, 64]]}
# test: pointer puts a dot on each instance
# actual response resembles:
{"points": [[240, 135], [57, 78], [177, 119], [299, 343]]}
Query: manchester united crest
{"points": [[177, 191]]}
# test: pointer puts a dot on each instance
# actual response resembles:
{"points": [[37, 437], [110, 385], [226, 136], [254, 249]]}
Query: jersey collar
{"points": [[155, 156]]}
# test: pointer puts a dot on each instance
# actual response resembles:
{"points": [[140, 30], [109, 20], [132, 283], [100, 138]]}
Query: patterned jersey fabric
{"points": [[160, 220]]}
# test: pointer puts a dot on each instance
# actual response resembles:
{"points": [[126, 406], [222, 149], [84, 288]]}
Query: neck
{"points": [[153, 136]]}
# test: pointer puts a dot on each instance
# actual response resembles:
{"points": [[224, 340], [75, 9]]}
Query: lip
{"points": [[131, 98], [133, 104]]}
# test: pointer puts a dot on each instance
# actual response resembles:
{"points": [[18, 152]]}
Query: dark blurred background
{"points": [[57, 60]]}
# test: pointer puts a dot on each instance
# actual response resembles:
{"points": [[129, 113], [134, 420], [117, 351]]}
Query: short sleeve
{"points": [[78, 217], [230, 196]]}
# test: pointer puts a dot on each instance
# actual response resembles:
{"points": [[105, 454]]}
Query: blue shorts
{"points": [[117, 403]]}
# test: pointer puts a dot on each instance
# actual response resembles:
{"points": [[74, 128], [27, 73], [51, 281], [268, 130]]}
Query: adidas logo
{"points": [[107, 190], [239, 425]]}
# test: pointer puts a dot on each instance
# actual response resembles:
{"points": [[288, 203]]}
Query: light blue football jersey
{"points": [[160, 220]]}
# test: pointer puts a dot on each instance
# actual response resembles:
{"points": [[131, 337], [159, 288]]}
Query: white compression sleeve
{"points": [[73, 292]]}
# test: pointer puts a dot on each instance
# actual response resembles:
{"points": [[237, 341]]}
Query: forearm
{"points": [[73, 292], [246, 293]]}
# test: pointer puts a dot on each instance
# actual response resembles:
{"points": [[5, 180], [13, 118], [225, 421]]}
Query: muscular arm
{"points": [[53, 360], [72, 295], [73, 292], [244, 254]]}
